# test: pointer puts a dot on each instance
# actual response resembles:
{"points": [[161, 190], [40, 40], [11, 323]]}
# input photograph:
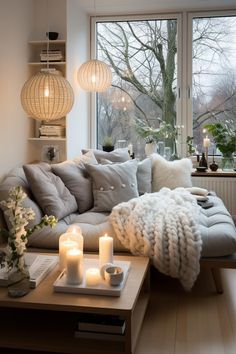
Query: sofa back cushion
{"points": [[117, 155], [144, 176], [170, 174], [49, 191], [78, 181], [113, 184]]}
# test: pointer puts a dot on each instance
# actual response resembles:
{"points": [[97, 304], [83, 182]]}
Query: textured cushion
{"points": [[217, 230], [170, 174], [88, 157], [117, 155], [77, 180], [144, 176], [92, 225], [113, 184], [49, 191]]}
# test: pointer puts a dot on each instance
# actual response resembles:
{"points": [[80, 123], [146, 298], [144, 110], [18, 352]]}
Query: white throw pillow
{"points": [[170, 174]]}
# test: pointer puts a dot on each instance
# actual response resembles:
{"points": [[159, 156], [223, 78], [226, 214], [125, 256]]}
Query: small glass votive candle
{"points": [[92, 276], [67, 241]]}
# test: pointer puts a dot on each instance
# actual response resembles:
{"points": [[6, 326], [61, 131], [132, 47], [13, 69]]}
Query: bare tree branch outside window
{"points": [[143, 58]]}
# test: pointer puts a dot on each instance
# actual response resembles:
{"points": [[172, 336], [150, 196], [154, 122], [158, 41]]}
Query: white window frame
{"points": [[184, 66], [178, 17], [189, 82]]}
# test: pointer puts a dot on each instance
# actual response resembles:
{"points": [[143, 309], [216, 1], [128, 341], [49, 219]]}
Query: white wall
{"points": [[49, 15], [15, 28], [78, 43]]}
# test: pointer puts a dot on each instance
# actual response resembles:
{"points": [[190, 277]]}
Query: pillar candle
{"points": [[74, 266], [76, 231], [206, 142], [66, 243], [105, 250], [92, 276]]}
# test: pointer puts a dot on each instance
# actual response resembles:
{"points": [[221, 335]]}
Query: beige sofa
{"points": [[216, 225], [83, 192]]}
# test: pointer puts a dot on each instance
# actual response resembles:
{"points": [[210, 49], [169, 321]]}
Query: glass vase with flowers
{"points": [[225, 140], [17, 238]]}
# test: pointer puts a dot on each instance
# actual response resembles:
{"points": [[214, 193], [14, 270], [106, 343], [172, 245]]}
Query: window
{"points": [[142, 100], [214, 74], [167, 83]]}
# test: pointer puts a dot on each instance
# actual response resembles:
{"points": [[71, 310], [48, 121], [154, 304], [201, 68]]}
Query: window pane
{"points": [[214, 80], [141, 101]]}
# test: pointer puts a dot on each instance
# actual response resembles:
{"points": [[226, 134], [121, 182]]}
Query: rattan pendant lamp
{"points": [[94, 75], [47, 95]]}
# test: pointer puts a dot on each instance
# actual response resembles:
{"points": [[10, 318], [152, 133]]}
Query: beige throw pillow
{"points": [[170, 174]]}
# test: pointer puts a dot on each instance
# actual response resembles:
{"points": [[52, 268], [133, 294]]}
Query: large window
{"points": [[142, 100], [155, 68], [214, 74]]}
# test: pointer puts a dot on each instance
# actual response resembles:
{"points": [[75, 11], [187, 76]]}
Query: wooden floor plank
{"points": [[196, 322]]}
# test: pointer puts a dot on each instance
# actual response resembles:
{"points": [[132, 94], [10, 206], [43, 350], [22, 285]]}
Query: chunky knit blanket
{"points": [[163, 226]]}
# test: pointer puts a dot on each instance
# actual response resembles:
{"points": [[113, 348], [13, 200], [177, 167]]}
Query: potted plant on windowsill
{"points": [[225, 140], [151, 145], [108, 144]]}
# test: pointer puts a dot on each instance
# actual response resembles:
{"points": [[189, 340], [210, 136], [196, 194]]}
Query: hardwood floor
{"points": [[196, 322]]}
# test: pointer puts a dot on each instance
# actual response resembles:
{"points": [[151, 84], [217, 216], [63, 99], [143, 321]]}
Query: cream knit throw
{"points": [[163, 226]]}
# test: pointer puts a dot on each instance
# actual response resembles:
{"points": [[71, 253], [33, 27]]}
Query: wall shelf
{"points": [[45, 63], [47, 139], [40, 42], [35, 65]]}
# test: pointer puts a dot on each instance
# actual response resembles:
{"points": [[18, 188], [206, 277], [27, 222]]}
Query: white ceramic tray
{"points": [[103, 288]]}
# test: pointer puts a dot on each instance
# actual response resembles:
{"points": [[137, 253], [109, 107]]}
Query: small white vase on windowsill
{"points": [[150, 148]]}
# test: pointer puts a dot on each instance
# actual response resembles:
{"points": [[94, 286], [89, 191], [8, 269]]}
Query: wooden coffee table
{"points": [[47, 321]]}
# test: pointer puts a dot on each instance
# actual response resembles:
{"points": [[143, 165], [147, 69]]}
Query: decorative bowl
{"points": [[114, 275], [52, 35], [201, 169]]}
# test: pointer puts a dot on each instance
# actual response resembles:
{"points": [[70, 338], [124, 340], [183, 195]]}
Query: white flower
{"points": [[19, 218], [20, 248]]}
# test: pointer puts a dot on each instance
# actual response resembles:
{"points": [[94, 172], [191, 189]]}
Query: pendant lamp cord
{"points": [[47, 35], [95, 21], [95, 11]]}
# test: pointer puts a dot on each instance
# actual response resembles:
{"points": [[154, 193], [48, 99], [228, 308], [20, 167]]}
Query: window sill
{"points": [[218, 173]]}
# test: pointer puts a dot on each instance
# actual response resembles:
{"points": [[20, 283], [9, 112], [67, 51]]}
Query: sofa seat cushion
{"points": [[92, 224], [217, 230]]}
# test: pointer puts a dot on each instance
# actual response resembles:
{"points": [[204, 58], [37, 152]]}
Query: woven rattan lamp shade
{"points": [[94, 76], [47, 96]]}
